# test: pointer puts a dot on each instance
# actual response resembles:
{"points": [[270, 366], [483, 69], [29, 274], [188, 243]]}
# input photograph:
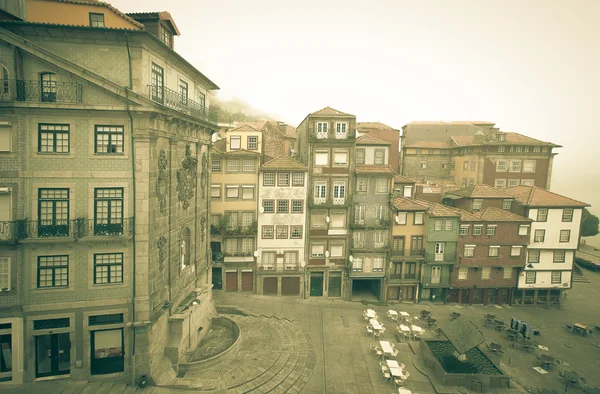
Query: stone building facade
{"points": [[107, 179]]}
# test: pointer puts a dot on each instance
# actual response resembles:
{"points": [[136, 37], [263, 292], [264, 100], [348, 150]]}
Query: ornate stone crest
{"points": [[186, 178], [161, 243], [204, 174], [162, 181]]}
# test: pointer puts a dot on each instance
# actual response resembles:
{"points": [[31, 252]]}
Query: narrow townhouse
{"points": [[553, 241], [441, 239], [492, 246], [103, 178], [235, 162], [407, 252], [371, 220], [281, 224], [325, 145]]}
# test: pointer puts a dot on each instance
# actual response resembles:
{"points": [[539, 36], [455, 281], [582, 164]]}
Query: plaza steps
{"points": [[579, 278]]}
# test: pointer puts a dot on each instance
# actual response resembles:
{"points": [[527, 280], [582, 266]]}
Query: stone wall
{"points": [[412, 166]]}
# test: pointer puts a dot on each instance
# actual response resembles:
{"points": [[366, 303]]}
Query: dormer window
{"points": [[501, 137], [96, 20], [166, 36]]}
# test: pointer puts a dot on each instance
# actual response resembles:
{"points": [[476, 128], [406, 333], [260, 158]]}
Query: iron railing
{"points": [[331, 135], [73, 228], [440, 257], [172, 99], [408, 252], [265, 268], [43, 92], [405, 276]]}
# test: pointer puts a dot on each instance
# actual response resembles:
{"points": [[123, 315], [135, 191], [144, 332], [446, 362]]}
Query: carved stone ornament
{"points": [[204, 174], [161, 243], [162, 181], [186, 178], [202, 228]]}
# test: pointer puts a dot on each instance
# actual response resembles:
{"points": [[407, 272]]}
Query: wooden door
{"points": [[290, 286], [231, 281], [247, 281], [270, 285]]}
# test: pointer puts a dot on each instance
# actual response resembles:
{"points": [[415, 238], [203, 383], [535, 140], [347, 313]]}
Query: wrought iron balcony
{"points": [[240, 230], [104, 228], [403, 277], [172, 99], [266, 268], [43, 92], [331, 135], [11, 231]]}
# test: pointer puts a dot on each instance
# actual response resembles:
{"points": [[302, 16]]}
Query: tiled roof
{"points": [[368, 140], [220, 145], [493, 214], [241, 152], [103, 4], [365, 127], [161, 15], [466, 216], [328, 111], [481, 191], [402, 179], [374, 170], [408, 204], [534, 196], [244, 127], [452, 122], [429, 144], [509, 139], [284, 163], [438, 210]]}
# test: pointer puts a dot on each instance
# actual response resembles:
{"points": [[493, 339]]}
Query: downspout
{"points": [[133, 259]]}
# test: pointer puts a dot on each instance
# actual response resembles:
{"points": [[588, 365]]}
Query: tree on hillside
{"points": [[589, 224]]}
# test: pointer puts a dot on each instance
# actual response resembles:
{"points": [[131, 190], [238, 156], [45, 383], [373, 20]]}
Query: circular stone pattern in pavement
{"points": [[274, 356]]}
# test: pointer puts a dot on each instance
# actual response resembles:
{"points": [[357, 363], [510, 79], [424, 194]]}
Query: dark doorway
{"points": [[215, 248], [366, 289], [247, 281], [477, 296], [335, 284], [452, 296], [217, 278], [270, 286], [466, 296], [316, 284], [107, 354], [291, 286], [52, 354], [231, 281]]}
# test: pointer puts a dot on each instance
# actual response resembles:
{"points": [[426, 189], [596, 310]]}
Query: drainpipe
{"points": [[133, 259]]}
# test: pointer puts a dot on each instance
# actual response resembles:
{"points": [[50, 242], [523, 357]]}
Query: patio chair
{"points": [[394, 318], [373, 347], [377, 333], [395, 353], [401, 365], [370, 330], [398, 382], [385, 374], [380, 353], [383, 364], [431, 322]]}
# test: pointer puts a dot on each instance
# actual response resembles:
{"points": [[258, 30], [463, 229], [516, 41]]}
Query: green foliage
{"points": [[589, 224]]}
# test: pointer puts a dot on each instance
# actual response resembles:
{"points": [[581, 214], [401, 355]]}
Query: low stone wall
{"points": [[227, 354], [475, 382]]}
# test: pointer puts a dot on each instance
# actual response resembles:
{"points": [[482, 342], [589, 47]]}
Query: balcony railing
{"points": [[371, 223], [440, 257], [331, 135], [43, 92], [267, 268], [238, 230], [174, 100], [371, 245], [443, 279], [57, 229], [405, 277]]}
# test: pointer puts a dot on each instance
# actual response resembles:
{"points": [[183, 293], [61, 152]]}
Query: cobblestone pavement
{"points": [[320, 346]]}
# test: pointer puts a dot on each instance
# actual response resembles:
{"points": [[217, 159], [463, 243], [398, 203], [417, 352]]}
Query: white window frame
{"points": [[477, 229], [439, 250], [500, 183], [469, 251], [319, 248], [507, 272], [501, 149], [336, 250], [343, 154], [402, 218], [359, 158], [513, 182], [357, 264], [339, 192], [247, 188], [464, 229], [537, 238], [477, 203], [529, 166], [5, 274], [341, 130], [408, 188], [379, 239], [232, 187], [238, 145], [321, 158], [378, 264], [382, 185], [463, 273], [448, 225], [322, 130], [379, 156], [515, 250], [320, 192], [490, 230], [359, 214], [486, 272], [506, 204], [515, 166], [494, 251], [438, 224], [362, 184], [248, 166], [231, 167], [213, 188], [421, 216], [501, 165], [528, 182], [523, 229]]}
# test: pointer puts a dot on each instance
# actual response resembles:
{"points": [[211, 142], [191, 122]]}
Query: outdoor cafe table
{"points": [[371, 313], [402, 390], [392, 364], [404, 328], [404, 314], [376, 325], [387, 348], [579, 328], [417, 329], [397, 372], [392, 312]]}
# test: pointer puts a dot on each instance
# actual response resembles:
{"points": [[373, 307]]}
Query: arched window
{"points": [[5, 81], [48, 84], [185, 247]]}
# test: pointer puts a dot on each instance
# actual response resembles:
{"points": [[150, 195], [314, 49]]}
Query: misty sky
{"points": [[529, 66]]}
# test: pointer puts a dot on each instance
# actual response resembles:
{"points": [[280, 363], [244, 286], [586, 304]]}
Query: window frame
{"points": [[54, 133], [343, 152], [280, 233], [274, 180], [294, 209], [529, 166], [419, 215], [214, 167], [362, 181], [560, 236], [477, 204], [295, 177], [5, 273], [252, 142], [95, 21], [110, 268], [533, 256], [464, 227], [237, 138], [559, 256], [536, 238], [245, 188], [463, 273], [283, 179], [53, 270], [294, 230], [265, 229], [232, 187], [215, 187], [379, 156], [283, 206], [486, 272], [322, 154], [554, 280], [530, 277], [359, 154], [517, 248], [245, 164], [470, 249], [183, 90], [272, 203], [542, 215], [566, 216], [506, 204], [110, 134], [477, 229], [490, 230], [230, 168], [493, 251], [503, 164], [157, 83]]}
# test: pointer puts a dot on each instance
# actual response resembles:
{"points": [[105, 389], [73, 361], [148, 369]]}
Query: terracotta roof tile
{"points": [[244, 127], [452, 122], [402, 179], [220, 145], [429, 144], [510, 139], [284, 163], [365, 127], [368, 140], [438, 210], [241, 152], [103, 4], [408, 204], [374, 170], [481, 191], [466, 216], [534, 196], [328, 111], [160, 15], [493, 214]]}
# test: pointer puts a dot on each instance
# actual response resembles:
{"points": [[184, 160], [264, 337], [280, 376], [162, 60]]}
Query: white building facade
{"points": [[281, 234]]}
